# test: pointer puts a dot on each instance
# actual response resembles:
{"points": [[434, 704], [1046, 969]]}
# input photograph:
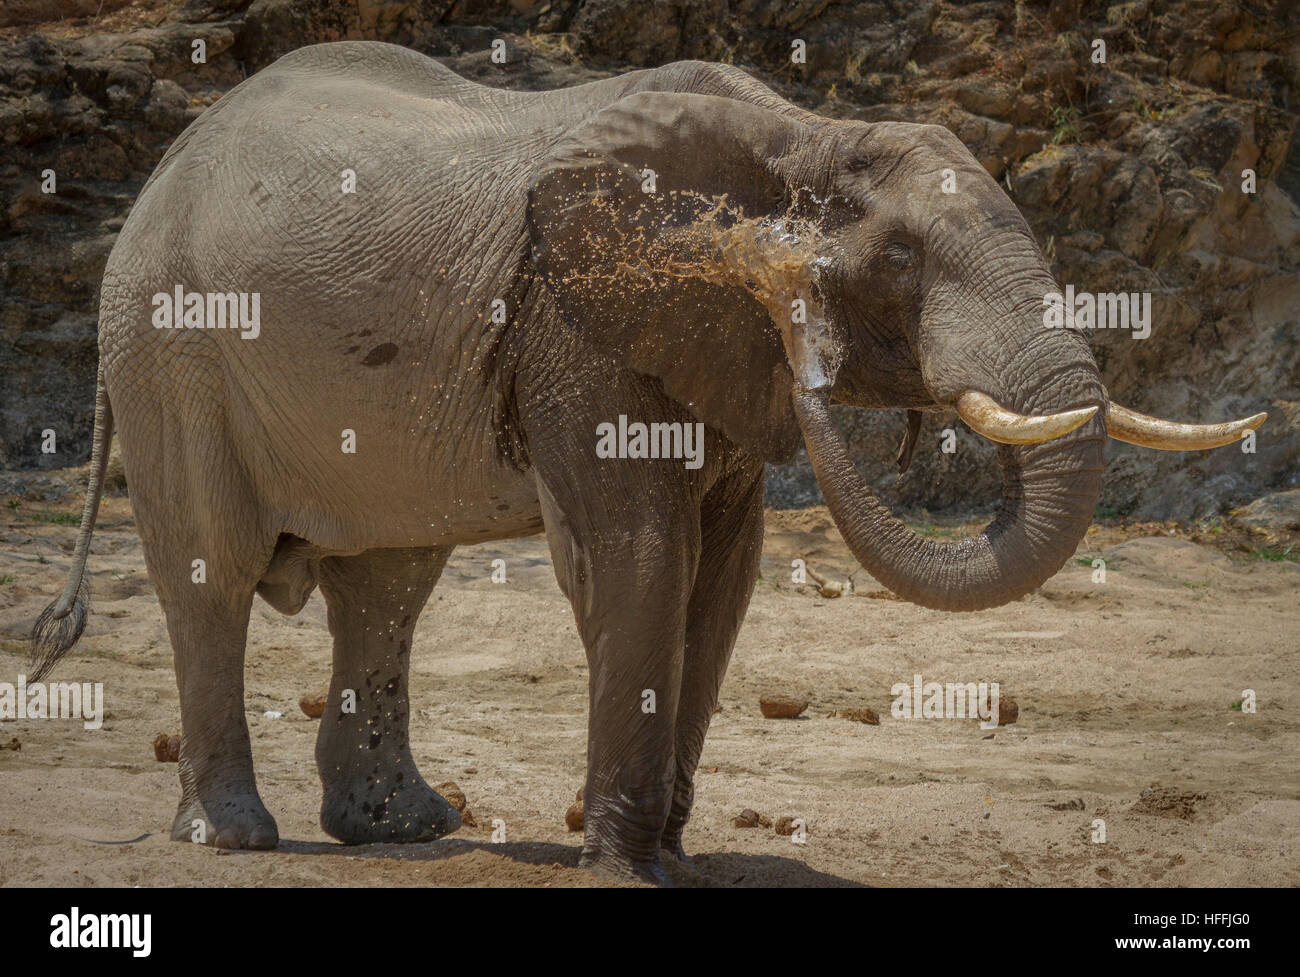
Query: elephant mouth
{"points": [[1051, 466]]}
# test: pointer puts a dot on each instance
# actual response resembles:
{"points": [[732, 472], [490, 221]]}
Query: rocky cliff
{"points": [[1130, 170]]}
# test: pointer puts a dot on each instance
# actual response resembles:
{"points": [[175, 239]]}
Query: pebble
{"points": [[573, 817], [781, 706], [749, 818]]}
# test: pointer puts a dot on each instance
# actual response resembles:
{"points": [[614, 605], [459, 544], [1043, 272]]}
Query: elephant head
{"points": [[764, 262]]}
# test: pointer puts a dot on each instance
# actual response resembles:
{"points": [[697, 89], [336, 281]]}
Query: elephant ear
{"points": [[624, 216]]}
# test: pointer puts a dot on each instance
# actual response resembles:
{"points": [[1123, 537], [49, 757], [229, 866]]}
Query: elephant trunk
{"points": [[1049, 494]]}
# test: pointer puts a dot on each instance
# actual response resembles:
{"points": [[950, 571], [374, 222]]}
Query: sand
{"points": [[1126, 693]]}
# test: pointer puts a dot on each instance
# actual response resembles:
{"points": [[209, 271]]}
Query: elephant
{"points": [[366, 311]]}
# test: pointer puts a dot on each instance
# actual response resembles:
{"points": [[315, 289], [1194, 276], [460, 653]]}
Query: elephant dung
{"points": [[749, 818], [167, 749], [573, 817], [867, 716], [1008, 711], [454, 796], [313, 705], [781, 706], [785, 826]]}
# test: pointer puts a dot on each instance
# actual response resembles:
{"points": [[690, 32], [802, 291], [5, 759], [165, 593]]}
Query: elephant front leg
{"points": [[731, 540], [373, 791], [630, 767], [628, 586]]}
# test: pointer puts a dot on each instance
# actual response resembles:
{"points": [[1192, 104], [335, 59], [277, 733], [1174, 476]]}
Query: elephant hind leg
{"points": [[204, 556], [207, 620], [373, 791]]}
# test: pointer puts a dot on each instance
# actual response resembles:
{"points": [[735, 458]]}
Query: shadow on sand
{"points": [[707, 870]]}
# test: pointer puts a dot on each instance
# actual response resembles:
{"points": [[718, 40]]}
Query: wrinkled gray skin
{"points": [[376, 317]]}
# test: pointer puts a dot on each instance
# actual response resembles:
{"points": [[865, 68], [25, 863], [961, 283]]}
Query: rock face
{"points": [[1277, 512], [1130, 172], [20, 12]]}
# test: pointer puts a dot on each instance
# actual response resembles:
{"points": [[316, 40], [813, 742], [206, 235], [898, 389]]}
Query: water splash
{"points": [[778, 260]]}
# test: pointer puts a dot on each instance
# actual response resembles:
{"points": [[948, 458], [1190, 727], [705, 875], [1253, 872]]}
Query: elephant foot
{"points": [[238, 821], [407, 813], [606, 866], [673, 848]]}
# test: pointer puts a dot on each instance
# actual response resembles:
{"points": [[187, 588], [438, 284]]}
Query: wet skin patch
{"points": [[380, 355]]}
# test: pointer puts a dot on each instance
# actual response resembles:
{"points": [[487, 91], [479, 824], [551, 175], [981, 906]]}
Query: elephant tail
{"points": [[61, 623]]}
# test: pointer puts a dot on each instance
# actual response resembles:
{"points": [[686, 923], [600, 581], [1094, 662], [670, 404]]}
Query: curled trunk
{"points": [[1049, 493]]}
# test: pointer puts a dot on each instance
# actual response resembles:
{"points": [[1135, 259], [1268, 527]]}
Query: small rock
{"points": [[471, 770], [272, 714], [781, 706], [573, 817], [749, 818], [13, 744], [313, 705], [167, 749]]}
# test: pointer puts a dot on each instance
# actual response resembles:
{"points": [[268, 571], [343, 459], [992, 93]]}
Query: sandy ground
{"points": [[1126, 695]]}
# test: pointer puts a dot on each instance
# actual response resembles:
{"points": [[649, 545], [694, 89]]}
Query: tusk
{"points": [[985, 416], [1123, 424]]}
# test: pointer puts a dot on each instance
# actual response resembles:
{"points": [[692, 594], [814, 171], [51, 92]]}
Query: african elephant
{"points": [[472, 284]]}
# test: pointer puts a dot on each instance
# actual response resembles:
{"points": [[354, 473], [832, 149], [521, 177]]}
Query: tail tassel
{"points": [[57, 630]]}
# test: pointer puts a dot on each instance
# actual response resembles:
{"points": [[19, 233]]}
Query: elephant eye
{"points": [[899, 254]]}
